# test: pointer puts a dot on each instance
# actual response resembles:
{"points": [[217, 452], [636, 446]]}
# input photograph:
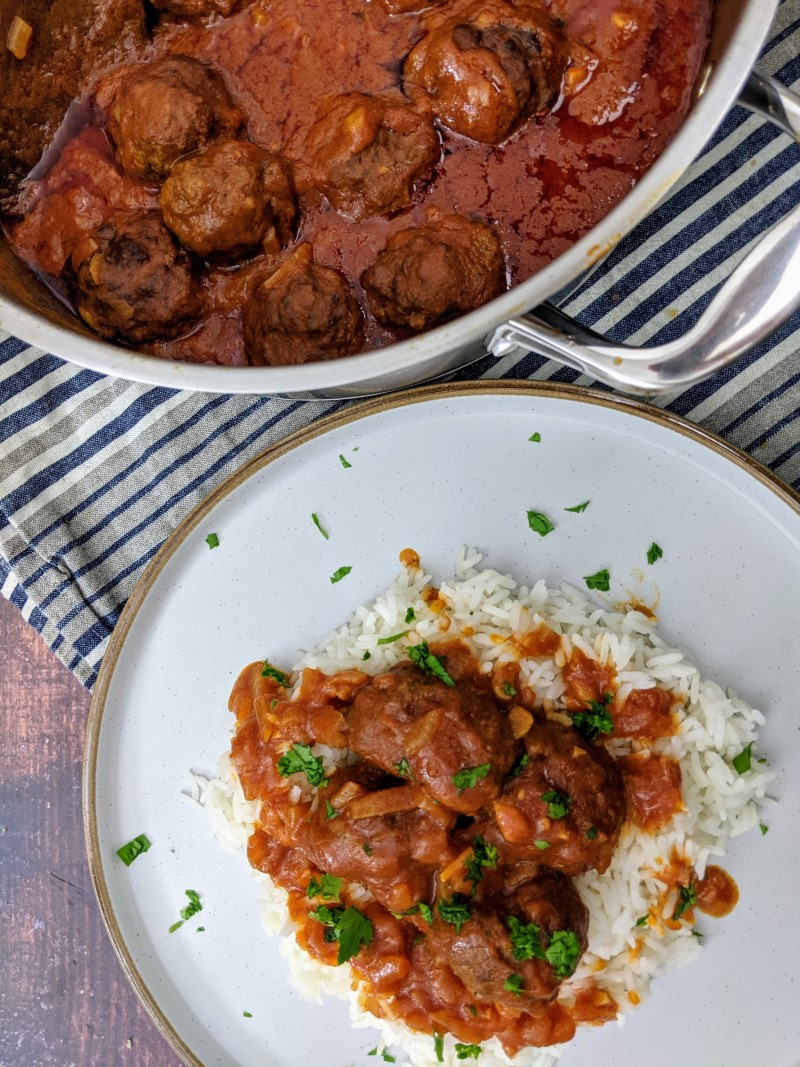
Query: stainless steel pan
{"points": [[759, 296]]}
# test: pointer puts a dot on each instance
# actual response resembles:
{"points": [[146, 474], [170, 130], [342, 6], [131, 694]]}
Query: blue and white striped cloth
{"points": [[96, 472]]}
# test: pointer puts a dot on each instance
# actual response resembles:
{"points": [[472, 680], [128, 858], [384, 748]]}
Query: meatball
{"points": [[435, 272], [367, 152], [132, 280], [228, 198], [302, 312], [567, 805], [196, 9], [166, 109], [488, 68], [502, 951], [454, 741], [395, 853]]}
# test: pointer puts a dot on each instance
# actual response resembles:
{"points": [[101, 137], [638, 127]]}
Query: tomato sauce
{"points": [[542, 189]]}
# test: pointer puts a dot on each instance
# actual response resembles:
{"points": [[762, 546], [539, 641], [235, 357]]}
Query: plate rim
{"points": [[352, 413]]}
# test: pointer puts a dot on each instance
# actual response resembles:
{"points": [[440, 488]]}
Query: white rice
{"points": [[484, 608]]}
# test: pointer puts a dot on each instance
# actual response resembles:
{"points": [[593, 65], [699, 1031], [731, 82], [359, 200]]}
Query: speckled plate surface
{"points": [[432, 469]]}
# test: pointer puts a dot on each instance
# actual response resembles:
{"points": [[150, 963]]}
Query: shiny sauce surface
{"points": [[542, 189]]}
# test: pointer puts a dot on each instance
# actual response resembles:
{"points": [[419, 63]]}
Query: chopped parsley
{"points": [[318, 524], [200, 930], [455, 911], [344, 462], [509, 689], [597, 720], [422, 656], [526, 939], [247, 1015], [268, 671], [687, 898], [299, 759], [328, 887], [403, 769], [484, 854], [348, 926], [212, 541], [519, 765], [599, 580], [473, 1010], [763, 828], [514, 984], [391, 640], [426, 911], [367, 655], [542, 845], [535, 437], [191, 909], [563, 953], [367, 847], [467, 1052], [540, 523], [579, 507], [642, 921], [133, 848], [654, 552], [339, 573], [591, 833], [410, 616], [558, 804], [384, 1055], [438, 1046], [468, 777], [330, 811], [743, 762]]}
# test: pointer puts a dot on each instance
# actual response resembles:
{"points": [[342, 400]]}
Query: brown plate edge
{"points": [[353, 413]]}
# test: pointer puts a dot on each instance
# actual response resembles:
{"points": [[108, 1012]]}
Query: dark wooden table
{"points": [[64, 1001]]}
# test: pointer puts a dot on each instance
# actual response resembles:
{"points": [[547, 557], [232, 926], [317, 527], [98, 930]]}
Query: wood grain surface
{"points": [[64, 1000]]}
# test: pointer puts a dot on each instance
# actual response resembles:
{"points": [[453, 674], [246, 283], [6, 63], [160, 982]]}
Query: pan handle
{"points": [[760, 295]]}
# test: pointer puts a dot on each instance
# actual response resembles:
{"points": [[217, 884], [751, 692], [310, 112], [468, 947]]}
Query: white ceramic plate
{"points": [[431, 470]]}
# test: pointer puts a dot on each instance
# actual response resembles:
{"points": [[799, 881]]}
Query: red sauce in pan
{"points": [[541, 190]]}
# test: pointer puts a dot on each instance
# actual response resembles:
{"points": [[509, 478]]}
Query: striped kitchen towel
{"points": [[96, 472]]}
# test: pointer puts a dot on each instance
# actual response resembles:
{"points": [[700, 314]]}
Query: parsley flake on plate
{"points": [[526, 939], [599, 580], [535, 437], [192, 908], [348, 926], [468, 777], [268, 671], [467, 1052], [687, 898], [642, 921], [540, 523], [403, 769], [133, 848], [344, 462], [395, 637], [339, 573], [519, 766], [654, 552], [422, 656], [410, 616], [438, 1046], [315, 519], [247, 1015], [455, 911], [563, 952], [299, 759], [328, 887], [212, 541], [743, 762], [484, 854], [763, 828], [558, 804], [597, 720], [579, 507]]}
